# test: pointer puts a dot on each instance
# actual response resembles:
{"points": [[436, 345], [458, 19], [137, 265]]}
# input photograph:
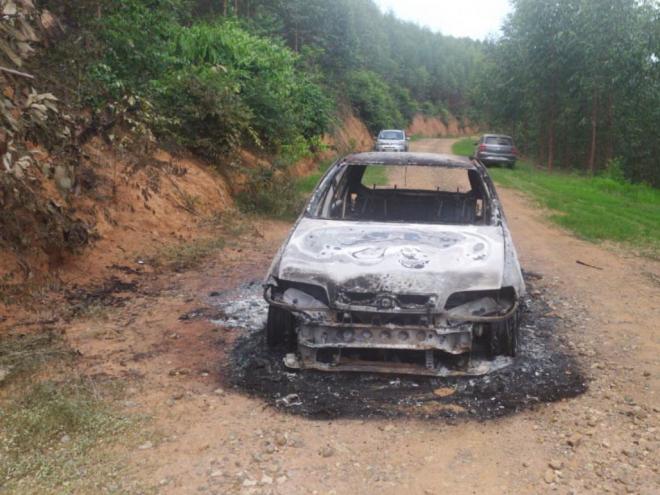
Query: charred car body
{"points": [[401, 262]]}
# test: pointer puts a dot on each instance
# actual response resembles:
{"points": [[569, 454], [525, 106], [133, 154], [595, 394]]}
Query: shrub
{"points": [[272, 192], [217, 85], [284, 103], [204, 110], [374, 101]]}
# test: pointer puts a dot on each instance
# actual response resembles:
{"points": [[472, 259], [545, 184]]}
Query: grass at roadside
{"points": [[595, 208], [375, 175], [57, 433], [463, 147], [305, 185]]}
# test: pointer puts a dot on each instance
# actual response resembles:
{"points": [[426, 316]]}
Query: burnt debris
{"points": [[544, 371]]}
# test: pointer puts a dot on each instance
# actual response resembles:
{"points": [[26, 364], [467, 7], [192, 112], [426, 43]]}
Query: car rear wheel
{"points": [[280, 328], [502, 339]]}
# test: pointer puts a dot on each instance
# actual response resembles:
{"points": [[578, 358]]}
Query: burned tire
{"points": [[280, 328], [502, 339]]}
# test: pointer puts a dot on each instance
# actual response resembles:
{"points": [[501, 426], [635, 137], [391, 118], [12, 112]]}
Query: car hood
{"points": [[374, 257], [391, 141]]}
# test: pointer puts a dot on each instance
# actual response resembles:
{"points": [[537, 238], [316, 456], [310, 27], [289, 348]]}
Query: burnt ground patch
{"points": [[545, 370], [113, 292]]}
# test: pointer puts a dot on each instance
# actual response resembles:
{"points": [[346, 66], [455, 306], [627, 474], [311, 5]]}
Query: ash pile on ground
{"points": [[544, 371]]}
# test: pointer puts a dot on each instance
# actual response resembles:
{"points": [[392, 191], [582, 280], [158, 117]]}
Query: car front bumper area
{"points": [[396, 148], [329, 340]]}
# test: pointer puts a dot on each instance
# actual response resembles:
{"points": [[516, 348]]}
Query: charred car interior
{"points": [[401, 263]]}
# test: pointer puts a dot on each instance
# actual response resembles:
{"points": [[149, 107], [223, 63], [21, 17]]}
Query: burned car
{"points": [[401, 262]]}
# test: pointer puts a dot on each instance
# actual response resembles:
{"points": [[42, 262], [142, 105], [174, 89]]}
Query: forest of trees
{"points": [[577, 82], [369, 53], [263, 73]]}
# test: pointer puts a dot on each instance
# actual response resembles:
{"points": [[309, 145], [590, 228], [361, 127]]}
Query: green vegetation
{"points": [[577, 83], [262, 74], [305, 185], [187, 255], [54, 431], [213, 84], [595, 208], [375, 175], [463, 147], [21, 356], [605, 207]]}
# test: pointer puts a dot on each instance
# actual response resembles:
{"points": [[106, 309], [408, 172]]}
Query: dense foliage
{"points": [[266, 72], [388, 68], [578, 83]]}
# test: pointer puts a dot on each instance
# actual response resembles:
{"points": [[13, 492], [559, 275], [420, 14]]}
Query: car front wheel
{"points": [[280, 328], [502, 337]]}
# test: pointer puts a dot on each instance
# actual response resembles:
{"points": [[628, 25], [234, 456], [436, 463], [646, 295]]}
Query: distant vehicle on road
{"points": [[496, 149], [392, 140]]}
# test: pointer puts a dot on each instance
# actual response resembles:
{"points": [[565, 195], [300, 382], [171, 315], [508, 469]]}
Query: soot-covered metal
{"points": [[545, 370], [419, 281]]}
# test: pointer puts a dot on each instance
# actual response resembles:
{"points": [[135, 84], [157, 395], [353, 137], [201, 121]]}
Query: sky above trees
{"points": [[470, 18]]}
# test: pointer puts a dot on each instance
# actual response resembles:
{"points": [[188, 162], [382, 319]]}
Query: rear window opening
{"points": [[406, 193], [499, 141]]}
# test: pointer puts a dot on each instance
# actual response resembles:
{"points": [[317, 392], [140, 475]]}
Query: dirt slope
{"points": [[224, 441], [433, 127]]}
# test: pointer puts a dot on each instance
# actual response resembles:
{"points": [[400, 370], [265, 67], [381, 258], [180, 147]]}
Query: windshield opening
{"points": [[405, 193], [391, 135]]}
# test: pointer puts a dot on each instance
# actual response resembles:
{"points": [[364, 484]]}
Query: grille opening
{"points": [[391, 357], [371, 299], [382, 319]]}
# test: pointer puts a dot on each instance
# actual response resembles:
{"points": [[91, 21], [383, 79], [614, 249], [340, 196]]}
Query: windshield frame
{"points": [[322, 195]]}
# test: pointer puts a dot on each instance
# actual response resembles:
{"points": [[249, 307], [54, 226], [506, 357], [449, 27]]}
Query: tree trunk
{"points": [[594, 131], [224, 7], [609, 146], [552, 117], [551, 145]]}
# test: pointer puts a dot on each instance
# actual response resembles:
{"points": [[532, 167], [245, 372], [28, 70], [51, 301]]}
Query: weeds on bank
{"points": [[305, 185], [22, 355], [186, 255]]}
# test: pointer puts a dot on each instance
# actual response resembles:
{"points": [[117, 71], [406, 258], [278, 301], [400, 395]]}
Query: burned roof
{"points": [[418, 159]]}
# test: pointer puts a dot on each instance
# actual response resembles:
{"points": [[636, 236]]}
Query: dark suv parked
{"points": [[496, 149]]}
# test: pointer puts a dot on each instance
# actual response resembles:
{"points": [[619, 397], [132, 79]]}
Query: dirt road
{"points": [[209, 437]]}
